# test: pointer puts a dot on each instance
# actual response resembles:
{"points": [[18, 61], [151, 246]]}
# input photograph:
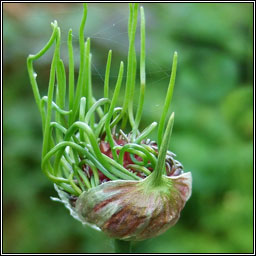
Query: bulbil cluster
{"points": [[126, 185]]}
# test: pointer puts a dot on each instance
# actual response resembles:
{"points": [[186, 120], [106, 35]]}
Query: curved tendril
{"points": [[104, 160], [139, 168], [73, 185], [67, 187], [150, 156], [54, 106], [81, 175], [99, 109], [63, 130], [102, 101], [132, 154], [66, 166], [145, 132], [150, 149], [62, 145], [116, 119], [142, 155], [52, 177], [32, 74], [123, 173], [102, 121], [79, 180], [58, 126], [94, 169], [85, 128]]}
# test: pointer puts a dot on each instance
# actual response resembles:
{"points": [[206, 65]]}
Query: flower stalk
{"points": [[122, 246]]}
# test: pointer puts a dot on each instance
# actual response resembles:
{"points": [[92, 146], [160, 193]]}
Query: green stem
{"points": [[32, 74], [131, 68], [160, 165], [145, 132], [81, 75], [142, 73], [81, 116], [46, 139], [106, 81], [60, 89], [82, 176], [122, 246], [60, 147], [54, 106], [111, 110], [71, 73], [99, 127], [90, 112], [86, 91], [168, 99], [127, 146], [99, 109]]}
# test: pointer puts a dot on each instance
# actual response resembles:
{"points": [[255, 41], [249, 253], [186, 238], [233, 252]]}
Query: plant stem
{"points": [[168, 99], [160, 165], [71, 79], [131, 68], [106, 81], [122, 246], [142, 73], [81, 74], [111, 110]]}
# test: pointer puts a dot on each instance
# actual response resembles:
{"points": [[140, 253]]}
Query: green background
{"points": [[213, 130]]}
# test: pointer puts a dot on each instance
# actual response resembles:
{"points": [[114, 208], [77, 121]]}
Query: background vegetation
{"points": [[212, 136]]}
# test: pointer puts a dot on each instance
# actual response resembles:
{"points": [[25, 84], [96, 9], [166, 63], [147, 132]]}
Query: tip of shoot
{"points": [[54, 24]]}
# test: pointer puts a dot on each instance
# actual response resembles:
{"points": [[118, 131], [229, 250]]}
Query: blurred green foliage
{"points": [[212, 136]]}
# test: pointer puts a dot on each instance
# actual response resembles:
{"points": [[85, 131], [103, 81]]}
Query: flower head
{"points": [[126, 185]]}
